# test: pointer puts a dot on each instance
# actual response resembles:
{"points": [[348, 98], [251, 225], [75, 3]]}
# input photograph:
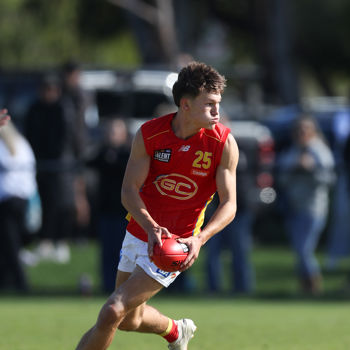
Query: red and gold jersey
{"points": [[181, 180]]}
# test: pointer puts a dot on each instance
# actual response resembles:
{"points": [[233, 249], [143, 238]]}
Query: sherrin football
{"points": [[170, 255]]}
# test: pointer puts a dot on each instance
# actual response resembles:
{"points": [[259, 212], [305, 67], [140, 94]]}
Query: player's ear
{"points": [[185, 103]]}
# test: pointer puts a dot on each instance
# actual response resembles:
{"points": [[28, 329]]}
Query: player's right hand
{"points": [[155, 236]]}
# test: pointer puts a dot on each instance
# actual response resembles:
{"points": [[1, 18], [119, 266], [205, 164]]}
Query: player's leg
{"points": [[135, 291], [140, 317], [144, 318], [147, 319]]}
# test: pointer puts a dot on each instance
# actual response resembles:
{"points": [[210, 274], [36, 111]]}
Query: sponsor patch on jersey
{"points": [[163, 273], [199, 172], [163, 155]]}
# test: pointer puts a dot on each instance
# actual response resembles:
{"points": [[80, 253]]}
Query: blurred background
{"points": [[79, 77]]}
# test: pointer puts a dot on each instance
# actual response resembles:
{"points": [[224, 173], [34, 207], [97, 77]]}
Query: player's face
{"points": [[204, 109]]}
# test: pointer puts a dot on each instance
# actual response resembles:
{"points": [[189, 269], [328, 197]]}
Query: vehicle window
{"points": [[110, 103], [144, 104]]}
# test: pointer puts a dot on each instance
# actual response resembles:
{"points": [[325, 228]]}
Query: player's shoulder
{"points": [[220, 132], [158, 122], [157, 126]]}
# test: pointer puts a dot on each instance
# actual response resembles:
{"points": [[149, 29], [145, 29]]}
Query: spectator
{"points": [[50, 130], [110, 163], [17, 185], [306, 173], [338, 243], [76, 102], [237, 238]]}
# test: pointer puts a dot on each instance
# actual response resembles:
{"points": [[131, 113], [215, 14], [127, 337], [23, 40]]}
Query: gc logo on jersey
{"points": [[163, 155], [176, 186]]}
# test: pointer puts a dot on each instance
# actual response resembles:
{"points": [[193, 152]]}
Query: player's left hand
{"points": [[194, 245]]}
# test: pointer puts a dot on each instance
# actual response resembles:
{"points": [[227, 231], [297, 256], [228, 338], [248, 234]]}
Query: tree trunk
{"points": [[275, 47]]}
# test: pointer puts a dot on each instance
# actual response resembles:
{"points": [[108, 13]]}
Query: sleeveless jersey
{"points": [[181, 179]]}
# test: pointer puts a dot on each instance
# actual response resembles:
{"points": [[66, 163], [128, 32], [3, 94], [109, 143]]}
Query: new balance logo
{"points": [[184, 148]]}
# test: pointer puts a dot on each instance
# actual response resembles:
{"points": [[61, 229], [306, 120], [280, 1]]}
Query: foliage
{"points": [[39, 34], [29, 35], [274, 35]]}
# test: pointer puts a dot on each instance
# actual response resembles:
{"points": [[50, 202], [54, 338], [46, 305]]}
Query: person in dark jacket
{"points": [[110, 163], [51, 131]]}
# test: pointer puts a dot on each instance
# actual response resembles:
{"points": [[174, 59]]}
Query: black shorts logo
{"points": [[163, 155]]}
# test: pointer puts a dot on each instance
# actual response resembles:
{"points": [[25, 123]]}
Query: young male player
{"points": [[176, 164]]}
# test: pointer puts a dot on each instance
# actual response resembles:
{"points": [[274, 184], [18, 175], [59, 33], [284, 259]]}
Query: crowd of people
{"points": [[47, 161], [55, 134]]}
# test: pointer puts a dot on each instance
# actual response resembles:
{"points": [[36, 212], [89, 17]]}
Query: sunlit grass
{"points": [[227, 323]]}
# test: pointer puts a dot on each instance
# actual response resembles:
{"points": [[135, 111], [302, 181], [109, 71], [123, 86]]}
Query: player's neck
{"points": [[182, 127]]}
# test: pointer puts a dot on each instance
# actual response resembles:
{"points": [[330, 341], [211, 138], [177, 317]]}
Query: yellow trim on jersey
{"points": [[167, 331], [215, 138], [162, 132], [201, 216], [128, 216]]}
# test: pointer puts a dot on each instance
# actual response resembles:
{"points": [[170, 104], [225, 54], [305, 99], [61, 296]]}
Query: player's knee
{"points": [[130, 324], [111, 315]]}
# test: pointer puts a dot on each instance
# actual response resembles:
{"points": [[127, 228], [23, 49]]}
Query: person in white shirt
{"points": [[17, 185]]}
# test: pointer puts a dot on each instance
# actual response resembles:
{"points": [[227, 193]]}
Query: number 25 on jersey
{"points": [[203, 160]]}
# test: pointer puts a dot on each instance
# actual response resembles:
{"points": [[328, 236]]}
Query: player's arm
{"points": [[135, 175], [226, 211], [4, 117], [226, 188]]}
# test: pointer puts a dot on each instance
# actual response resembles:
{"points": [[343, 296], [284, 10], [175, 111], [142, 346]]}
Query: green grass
{"points": [[225, 324], [51, 278], [274, 267], [54, 316]]}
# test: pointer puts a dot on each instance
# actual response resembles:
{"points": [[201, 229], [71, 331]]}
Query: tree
{"points": [[36, 31], [283, 38], [38, 34], [322, 30], [154, 28], [266, 24]]}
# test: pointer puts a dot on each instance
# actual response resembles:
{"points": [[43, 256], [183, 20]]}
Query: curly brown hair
{"points": [[195, 78]]}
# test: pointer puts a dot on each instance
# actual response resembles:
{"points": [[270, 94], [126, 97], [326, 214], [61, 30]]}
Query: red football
{"points": [[170, 256]]}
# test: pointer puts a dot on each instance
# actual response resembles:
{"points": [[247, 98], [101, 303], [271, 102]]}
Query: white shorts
{"points": [[134, 252]]}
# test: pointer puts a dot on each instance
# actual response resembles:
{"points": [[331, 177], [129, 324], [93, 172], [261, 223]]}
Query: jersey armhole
{"points": [[222, 144], [147, 144]]}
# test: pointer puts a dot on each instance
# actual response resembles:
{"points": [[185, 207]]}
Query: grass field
{"points": [[276, 317], [225, 324], [274, 267]]}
